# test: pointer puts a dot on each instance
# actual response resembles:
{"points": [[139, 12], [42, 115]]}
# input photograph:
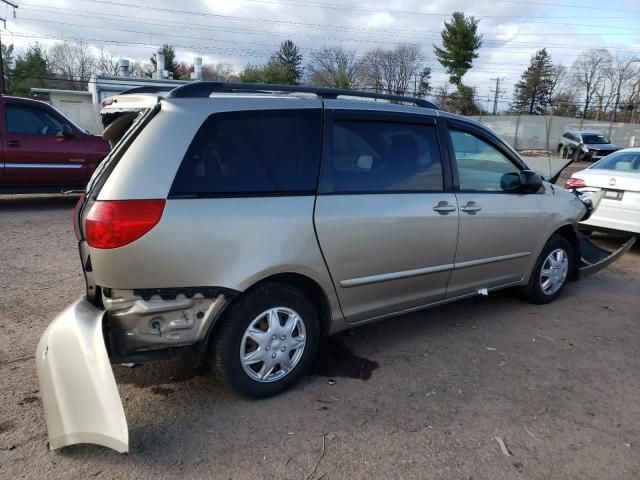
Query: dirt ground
{"points": [[419, 396]]}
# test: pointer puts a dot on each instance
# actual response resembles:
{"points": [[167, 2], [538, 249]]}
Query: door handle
{"points": [[471, 207], [13, 143], [444, 208]]}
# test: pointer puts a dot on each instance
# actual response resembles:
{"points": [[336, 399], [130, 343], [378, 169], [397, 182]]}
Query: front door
{"points": [[386, 218], [499, 231], [37, 153]]}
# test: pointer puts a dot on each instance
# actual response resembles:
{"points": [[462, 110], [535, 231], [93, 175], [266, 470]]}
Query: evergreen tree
{"points": [[283, 67], [170, 63], [534, 91], [290, 60], [30, 70], [460, 44], [424, 82]]}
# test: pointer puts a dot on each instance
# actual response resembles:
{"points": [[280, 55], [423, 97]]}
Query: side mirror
{"points": [[530, 181], [525, 181], [67, 131]]}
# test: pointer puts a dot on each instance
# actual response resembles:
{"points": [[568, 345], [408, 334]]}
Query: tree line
{"points": [[597, 85]]}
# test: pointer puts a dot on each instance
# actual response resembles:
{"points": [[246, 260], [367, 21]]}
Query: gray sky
{"points": [[243, 31]]}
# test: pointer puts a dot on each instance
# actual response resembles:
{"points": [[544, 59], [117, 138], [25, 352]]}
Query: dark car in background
{"points": [[42, 150], [589, 146]]}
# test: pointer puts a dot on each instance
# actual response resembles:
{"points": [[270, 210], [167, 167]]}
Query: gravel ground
{"points": [[419, 396]]}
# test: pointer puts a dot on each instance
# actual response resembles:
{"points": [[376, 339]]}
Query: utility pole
{"points": [[495, 97], [4, 21]]}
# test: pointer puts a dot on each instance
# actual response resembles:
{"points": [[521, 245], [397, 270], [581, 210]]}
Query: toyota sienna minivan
{"points": [[242, 222]]}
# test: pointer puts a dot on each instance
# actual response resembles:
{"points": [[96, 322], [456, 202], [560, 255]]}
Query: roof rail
{"points": [[147, 89], [205, 89]]}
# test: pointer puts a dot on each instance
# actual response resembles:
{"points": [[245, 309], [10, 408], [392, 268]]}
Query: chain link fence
{"points": [[543, 132]]}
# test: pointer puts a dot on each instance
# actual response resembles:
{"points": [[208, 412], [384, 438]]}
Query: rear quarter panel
{"points": [[222, 242]]}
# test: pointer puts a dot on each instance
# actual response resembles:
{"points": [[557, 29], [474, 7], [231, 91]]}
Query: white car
{"points": [[617, 179]]}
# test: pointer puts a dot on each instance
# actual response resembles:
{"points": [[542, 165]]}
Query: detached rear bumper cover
{"points": [[79, 392]]}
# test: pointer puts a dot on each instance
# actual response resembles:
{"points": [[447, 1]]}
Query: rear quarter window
{"points": [[253, 152]]}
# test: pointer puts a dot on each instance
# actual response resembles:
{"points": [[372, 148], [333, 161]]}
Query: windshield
{"points": [[621, 161], [594, 139]]}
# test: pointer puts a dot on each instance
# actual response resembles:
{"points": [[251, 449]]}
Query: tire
{"points": [[565, 152], [575, 156], [288, 361], [539, 291]]}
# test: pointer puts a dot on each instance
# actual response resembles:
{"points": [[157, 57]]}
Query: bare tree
{"points": [[392, 71], [72, 62], [220, 72], [108, 63], [624, 72], [558, 76], [336, 67], [589, 71], [141, 69]]}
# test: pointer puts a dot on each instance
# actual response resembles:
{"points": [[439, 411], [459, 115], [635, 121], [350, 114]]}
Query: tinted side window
{"points": [[30, 120], [480, 165], [275, 151], [370, 156]]}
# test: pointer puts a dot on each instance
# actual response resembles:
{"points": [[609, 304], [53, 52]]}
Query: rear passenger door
{"points": [[386, 218], [499, 231]]}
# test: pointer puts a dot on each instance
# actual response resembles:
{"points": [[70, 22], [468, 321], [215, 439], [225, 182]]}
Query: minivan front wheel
{"points": [[551, 272], [267, 340]]}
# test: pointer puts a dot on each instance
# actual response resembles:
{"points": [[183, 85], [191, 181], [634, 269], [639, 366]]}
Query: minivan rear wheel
{"points": [[267, 340], [552, 271]]}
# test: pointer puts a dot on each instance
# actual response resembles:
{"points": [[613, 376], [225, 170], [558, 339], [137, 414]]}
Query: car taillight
{"points": [[115, 223], [76, 216], [575, 183], [106, 101]]}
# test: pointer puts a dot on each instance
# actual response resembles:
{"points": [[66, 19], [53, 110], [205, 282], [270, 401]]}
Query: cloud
{"points": [[248, 31]]}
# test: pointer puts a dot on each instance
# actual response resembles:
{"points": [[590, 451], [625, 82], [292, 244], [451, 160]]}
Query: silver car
{"points": [[241, 223], [589, 146], [617, 179]]}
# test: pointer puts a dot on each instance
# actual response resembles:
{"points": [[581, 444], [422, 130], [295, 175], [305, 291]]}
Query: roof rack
{"points": [[205, 89], [147, 89]]}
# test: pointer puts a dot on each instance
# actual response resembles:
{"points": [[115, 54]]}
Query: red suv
{"points": [[42, 151]]}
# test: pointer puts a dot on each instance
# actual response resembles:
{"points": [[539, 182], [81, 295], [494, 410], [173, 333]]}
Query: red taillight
{"points": [[115, 223], [575, 183], [76, 216], [106, 101]]}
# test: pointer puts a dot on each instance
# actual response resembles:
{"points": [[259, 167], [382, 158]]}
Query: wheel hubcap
{"points": [[554, 271], [273, 344]]}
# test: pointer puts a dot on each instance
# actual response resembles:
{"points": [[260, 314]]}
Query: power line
{"points": [[340, 7], [280, 22], [519, 45]]}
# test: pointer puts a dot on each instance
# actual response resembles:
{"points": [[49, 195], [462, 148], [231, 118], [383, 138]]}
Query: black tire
{"points": [[533, 291], [575, 155], [225, 353], [565, 152]]}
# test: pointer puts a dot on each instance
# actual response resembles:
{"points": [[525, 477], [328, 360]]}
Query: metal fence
{"points": [[543, 132], [85, 115]]}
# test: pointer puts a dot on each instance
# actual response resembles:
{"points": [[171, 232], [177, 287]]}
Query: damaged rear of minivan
{"points": [[241, 228]]}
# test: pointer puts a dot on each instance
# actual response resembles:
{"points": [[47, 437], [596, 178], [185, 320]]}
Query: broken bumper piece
{"points": [[593, 258], [78, 389]]}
